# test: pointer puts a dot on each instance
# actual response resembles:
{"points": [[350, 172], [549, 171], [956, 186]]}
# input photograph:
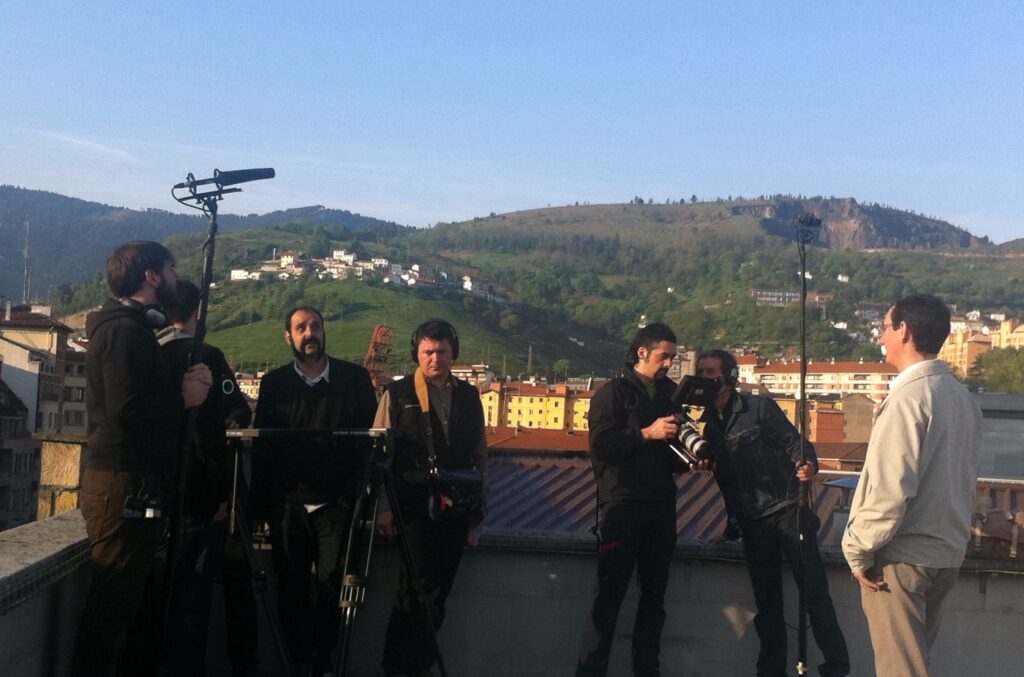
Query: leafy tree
{"points": [[561, 367], [319, 246], [999, 370]]}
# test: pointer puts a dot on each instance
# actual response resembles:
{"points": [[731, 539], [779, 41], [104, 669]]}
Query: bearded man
{"points": [[307, 483], [136, 404]]}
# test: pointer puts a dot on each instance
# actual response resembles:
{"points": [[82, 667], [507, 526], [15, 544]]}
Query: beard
{"points": [[300, 353], [166, 295]]}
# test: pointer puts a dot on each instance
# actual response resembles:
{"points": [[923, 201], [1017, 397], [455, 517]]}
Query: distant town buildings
{"points": [[780, 298], [829, 378], [970, 338]]}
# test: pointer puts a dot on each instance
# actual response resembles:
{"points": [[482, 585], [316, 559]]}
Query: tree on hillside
{"points": [[999, 370], [561, 367], [319, 245]]}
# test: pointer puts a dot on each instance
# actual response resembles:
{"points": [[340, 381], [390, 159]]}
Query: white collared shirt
{"points": [[325, 375], [905, 375]]}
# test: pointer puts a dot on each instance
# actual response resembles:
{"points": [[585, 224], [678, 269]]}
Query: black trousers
{"points": [[122, 552], [765, 542], [436, 551], [631, 534], [308, 603]]}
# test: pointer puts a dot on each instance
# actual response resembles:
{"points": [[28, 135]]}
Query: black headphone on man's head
{"points": [[730, 369], [446, 330], [155, 315]]}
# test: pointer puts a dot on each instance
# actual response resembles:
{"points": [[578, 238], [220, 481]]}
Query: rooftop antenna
{"points": [[25, 283]]}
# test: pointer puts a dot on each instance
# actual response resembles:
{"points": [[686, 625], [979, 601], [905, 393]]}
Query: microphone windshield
{"points": [[232, 177]]}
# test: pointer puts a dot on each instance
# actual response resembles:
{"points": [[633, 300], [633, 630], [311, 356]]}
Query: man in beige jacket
{"points": [[910, 519]]}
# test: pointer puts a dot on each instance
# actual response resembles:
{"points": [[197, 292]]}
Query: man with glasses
{"points": [[911, 514]]}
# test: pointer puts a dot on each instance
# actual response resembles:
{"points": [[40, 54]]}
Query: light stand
{"points": [[807, 226]]}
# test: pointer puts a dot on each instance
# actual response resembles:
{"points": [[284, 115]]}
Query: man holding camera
{"points": [[910, 519], [135, 404], [439, 439], [632, 419], [759, 470], [307, 483]]}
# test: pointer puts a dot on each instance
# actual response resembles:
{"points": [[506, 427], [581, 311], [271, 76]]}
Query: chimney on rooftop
{"points": [[7, 314]]}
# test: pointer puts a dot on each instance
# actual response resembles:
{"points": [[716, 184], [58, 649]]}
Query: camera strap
{"points": [[423, 395]]}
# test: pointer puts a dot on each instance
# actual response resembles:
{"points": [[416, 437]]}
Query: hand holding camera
{"points": [[664, 428]]}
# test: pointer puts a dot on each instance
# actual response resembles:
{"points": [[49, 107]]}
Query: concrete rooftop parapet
{"points": [[36, 556]]}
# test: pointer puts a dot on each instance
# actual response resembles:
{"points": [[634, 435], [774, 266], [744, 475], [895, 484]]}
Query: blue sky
{"points": [[421, 112]]}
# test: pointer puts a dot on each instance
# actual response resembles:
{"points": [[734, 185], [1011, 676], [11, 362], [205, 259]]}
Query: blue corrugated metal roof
{"points": [[553, 495]]}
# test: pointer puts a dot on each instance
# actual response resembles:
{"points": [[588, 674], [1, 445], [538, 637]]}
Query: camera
{"points": [[693, 391]]}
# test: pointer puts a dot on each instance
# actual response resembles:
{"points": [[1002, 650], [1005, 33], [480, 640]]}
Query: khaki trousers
{"points": [[904, 620]]}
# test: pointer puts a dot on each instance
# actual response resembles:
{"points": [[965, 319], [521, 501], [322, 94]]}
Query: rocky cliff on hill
{"points": [[850, 226]]}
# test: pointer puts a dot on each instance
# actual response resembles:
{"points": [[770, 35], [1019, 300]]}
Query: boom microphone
{"points": [[229, 178]]}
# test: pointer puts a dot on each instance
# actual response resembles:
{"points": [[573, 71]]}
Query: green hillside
{"points": [[554, 278]]}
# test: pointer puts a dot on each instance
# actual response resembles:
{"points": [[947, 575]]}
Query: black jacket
{"points": [[211, 474], [756, 450], [132, 397], [626, 467], [457, 451], [312, 469]]}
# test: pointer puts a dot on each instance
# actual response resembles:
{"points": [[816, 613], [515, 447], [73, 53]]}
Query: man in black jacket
{"points": [[135, 404], [432, 414], [631, 421], [206, 527], [759, 470], [309, 482]]}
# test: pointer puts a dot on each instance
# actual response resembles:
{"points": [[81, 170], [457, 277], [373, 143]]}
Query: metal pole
{"points": [[805, 232]]}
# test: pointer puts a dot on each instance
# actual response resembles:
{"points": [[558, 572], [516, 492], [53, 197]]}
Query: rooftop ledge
{"points": [[518, 606]]}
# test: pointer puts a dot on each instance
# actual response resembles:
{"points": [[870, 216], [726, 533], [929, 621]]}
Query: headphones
{"points": [[730, 370], [155, 316], [435, 326]]}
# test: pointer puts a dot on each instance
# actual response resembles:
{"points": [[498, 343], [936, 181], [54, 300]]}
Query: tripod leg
{"points": [[352, 595], [414, 576], [240, 525]]}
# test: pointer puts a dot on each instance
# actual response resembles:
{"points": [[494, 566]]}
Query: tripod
{"points": [[240, 525], [355, 579]]}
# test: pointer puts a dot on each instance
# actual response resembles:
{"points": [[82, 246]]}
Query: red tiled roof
{"points": [[535, 439]]}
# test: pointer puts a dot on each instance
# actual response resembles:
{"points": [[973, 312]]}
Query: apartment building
{"points": [[535, 406], [33, 347], [962, 348], [74, 414], [19, 461], [828, 378]]}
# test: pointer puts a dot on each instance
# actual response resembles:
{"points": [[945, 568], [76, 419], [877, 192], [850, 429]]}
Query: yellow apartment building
{"points": [[962, 348], [527, 405]]}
